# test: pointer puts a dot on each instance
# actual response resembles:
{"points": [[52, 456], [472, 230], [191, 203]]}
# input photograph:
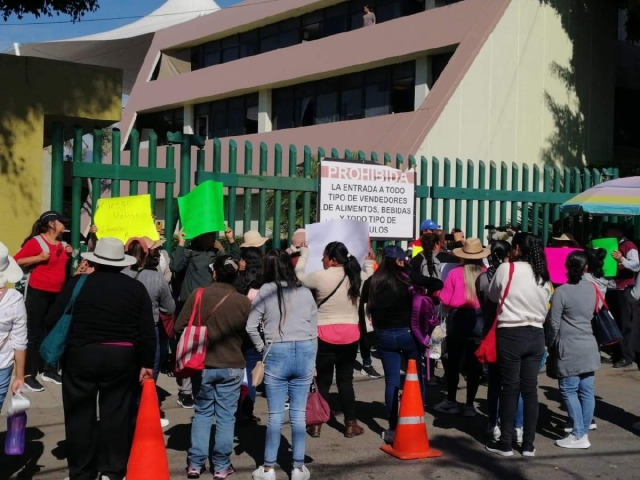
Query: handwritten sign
{"points": [[556, 260], [201, 210], [125, 217]]}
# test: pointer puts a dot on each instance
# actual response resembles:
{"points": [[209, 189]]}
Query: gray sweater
{"points": [[299, 316], [572, 309], [158, 290]]}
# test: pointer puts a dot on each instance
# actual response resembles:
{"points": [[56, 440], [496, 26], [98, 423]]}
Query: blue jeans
{"points": [[288, 370], [493, 400], [5, 381], [217, 397], [579, 397], [394, 345]]}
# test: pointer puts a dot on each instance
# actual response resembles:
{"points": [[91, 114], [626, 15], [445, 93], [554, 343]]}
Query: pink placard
{"points": [[556, 259]]}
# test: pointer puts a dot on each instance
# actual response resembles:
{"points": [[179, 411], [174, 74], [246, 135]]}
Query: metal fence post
{"points": [[57, 166]]}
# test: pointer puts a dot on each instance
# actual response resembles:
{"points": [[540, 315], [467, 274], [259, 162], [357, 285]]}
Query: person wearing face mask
{"points": [[45, 257]]}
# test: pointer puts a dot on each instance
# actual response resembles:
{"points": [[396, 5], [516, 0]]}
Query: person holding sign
{"points": [[622, 354], [337, 289], [45, 257]]}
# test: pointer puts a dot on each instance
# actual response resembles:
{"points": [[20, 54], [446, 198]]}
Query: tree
{"points": [[74, 8]]}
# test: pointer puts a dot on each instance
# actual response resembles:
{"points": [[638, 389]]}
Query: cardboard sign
{"points": [[556, 261], [381, 196], [125, 217], [610, 245], [202, 209], [354, 235]]}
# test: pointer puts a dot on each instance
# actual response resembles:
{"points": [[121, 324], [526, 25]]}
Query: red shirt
{"points": [[47, 276]]}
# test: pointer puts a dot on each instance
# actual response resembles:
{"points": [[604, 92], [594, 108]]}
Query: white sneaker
{"points": [[494, 433], [164, 422], [446, 406], [261, 474], [519, 435], [568, 427], [593, 426], [300, 473], [470, 411], [388, 436], [573, 442]]}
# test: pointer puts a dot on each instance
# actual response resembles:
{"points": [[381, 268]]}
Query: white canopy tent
{"points": [[124, 47]]}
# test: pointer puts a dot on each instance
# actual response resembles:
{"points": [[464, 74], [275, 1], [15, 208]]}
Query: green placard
{"points": [[201, 211], [610, 263]]}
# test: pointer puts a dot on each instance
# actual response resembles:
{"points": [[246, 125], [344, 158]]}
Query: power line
{"points": [[133, 17]]}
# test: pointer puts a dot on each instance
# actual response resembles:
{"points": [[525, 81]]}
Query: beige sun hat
{"points": [[10, 271], [109, 251], [252, 238], [472, 250]]}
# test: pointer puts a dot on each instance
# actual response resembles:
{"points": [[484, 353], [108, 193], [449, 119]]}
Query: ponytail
{"points": [[428, 242], [532, 252], [352, 270], [37, 229]]}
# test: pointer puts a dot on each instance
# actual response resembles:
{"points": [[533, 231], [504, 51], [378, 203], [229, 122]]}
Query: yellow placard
{"points": [[125, 218]]}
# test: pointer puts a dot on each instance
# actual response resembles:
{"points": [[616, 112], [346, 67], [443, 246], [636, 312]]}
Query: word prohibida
{"points": [[375, 174]]}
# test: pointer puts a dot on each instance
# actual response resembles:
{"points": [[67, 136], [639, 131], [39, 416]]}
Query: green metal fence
{"points": [[456, 194]]}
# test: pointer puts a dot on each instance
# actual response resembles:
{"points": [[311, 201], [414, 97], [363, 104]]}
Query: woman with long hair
{"points": [[464, 325], [499, 254], [337, 289], [595, 270], [45, 257], [390, 303], [571, 336], [289, 314], [426, 262], [145, 270], [250, 279], [520, 337]]}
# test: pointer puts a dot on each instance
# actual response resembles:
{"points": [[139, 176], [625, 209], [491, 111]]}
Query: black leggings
{"points": [[341, 358], [38, 303], [462, 343]]}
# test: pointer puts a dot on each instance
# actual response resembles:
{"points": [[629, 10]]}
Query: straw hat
{"points": [[109, 251], [472, 249], [10, 272], [252, 238], [566, 237]]}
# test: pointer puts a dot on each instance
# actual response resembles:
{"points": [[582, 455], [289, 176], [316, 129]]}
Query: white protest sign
{"points": [[382, 196], [354, 235]]}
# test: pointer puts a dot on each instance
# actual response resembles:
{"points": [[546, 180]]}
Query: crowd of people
{"points": [[264, 312]]}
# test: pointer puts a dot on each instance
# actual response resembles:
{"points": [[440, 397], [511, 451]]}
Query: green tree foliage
{"points": [[48, 8]]}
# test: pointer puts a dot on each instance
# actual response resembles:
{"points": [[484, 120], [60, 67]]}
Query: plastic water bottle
{"points": [[16, 426]]}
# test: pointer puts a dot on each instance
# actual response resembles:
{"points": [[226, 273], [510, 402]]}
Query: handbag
{"points": [[257, 374], [606, 329], [487, 352], [192, 347], [168, 324], [54, 344], [318, 410]]}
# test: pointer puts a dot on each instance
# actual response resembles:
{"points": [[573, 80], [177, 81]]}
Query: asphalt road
{"points": [[614, 453]]}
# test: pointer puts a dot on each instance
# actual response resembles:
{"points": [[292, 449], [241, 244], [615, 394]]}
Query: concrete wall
{"points": [[33, 92], [540, 91]]}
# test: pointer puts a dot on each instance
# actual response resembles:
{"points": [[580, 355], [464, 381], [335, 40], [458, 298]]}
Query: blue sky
{"points": [[15, 30]]}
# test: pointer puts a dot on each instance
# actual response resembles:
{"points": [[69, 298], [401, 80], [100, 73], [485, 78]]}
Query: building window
{"points": [[161, 123], [343, 17], [349, 97], [438, 64], [229, 117]]}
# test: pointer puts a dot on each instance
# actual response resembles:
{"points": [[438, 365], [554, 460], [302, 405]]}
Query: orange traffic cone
{"points": [[411, 440], [148, 457]]}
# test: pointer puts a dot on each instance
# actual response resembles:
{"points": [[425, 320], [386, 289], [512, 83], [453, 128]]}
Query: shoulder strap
{"points": [[324, 300], [599, 298], [512, 268], [76, 292], [220, 303], [42, 243]]}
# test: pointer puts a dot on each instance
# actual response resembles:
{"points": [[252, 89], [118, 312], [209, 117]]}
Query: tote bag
{"points": [[487, 352], [192, 347], [318, 410], [606, 329], [54, 344]]}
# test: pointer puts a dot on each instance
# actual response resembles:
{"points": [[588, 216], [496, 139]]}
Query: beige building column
{"points": [[188, 119], [264, 111], [424, 75]]}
